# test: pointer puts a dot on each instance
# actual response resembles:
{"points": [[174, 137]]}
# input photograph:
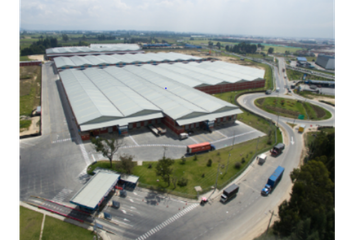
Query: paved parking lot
{"points": [[145, 146]]}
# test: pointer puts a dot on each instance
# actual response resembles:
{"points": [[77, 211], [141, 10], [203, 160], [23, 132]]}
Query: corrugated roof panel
{"points": [[63, 62], [87, 101], [117, 47], [95, 189]]}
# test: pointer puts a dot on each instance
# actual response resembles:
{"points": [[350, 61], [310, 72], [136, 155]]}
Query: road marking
{"points": [[124, 211], [94, 159], [292, 141], [62, 195], [133, 140], [233, 137], [135, 193], [62, 140], [27, 143], [244, 101], [131, 200], [168, 221], [84, 154], [221, 134], [193, 140]]}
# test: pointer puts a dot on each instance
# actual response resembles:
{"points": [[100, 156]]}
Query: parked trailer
{"points": [[200, 147], [183, 136], [154, 130], [273, 180]]}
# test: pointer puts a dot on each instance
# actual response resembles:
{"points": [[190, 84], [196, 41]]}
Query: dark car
{"points": [[268, 91], [107, 216], [115, 204], [123, 193]]}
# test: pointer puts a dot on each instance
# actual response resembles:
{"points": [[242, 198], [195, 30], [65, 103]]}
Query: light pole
{"points": [[217, 175], [227, 167]]}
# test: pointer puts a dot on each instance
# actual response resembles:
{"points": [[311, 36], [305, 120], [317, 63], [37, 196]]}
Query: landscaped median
{"points": [[292, 108]]}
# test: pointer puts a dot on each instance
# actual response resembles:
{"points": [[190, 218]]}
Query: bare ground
{"points": [[33, 128], [36, 57]]}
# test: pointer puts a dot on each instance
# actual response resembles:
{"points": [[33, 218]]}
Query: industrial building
{"points": [[99, 49], [124, 98], [325, 61], [101, 61], [93, 193], [30, 63], [320, 83]]}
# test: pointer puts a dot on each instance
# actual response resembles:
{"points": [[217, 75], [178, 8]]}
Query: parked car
{"points": [[107, 216], [269, 91], [115, 204]]}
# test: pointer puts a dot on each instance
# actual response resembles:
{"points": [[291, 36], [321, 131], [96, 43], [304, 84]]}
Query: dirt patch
{"points": [[34, 128], [327, 99], [320, 112], [36, 57], [260, 101]]}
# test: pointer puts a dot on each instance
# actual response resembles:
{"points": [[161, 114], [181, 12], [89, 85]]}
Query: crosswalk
{"points": [[62, 195], [167, 222]]}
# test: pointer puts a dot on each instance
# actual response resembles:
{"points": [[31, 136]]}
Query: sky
{"points": [[273, 18]]}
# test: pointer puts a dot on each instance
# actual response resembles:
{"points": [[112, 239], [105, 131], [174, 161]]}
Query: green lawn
{"points": [[55, 229], [30, 89], [24, 58], [25, 123], [295, 75], [30, 224], [292, 108]]}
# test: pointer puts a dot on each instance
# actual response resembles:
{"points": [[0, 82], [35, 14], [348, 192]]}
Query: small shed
{"points": [[128, 181]]}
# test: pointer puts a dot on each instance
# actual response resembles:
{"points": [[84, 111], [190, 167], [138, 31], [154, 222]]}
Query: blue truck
{"points": [[273, 180]]}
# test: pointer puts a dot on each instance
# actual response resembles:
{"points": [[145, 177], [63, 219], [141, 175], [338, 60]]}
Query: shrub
{"points": [[209, 163], [203, 175], [218, 154], [243, 160], [195, 157], [238, 165], [183, 160], [150, 166], [182, 182]]}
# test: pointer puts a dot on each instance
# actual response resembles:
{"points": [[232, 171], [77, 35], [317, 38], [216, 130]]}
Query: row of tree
{"points": [[309, 214], [40, 46]]}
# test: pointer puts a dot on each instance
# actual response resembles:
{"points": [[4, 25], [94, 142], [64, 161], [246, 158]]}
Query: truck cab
{"points": [[229, 193], [266, 190]]}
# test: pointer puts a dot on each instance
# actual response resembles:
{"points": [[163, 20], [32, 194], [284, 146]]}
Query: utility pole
{"points": [[217, 175], [270, 221], [257, 144], [227, 167]]}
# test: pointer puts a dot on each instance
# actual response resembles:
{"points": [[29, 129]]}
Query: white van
{"points": [[183, 136], [277, 89]]}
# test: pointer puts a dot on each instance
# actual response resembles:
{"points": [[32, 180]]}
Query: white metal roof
{"points": [[94, 48], [95, 189], [119, 96], [116, 58]]}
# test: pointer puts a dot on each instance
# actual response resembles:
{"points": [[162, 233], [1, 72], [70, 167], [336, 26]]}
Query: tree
{"points": [[164, 169], [312, 198], [65, 37], [218, 45], [227, 48], [108, 147], [210, 44], [270, 50], [125, 164]]}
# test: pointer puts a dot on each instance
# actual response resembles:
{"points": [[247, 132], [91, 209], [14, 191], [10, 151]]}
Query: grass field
{"points": [[55, 229], [295, 75], [30, 224], [30, 89], [292, 108], [25, 123], [24, 58]]}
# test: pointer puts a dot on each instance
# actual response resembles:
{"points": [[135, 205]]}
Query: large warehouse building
{"points": [[325, 61], [101, 61], [94, 49], [124, 98]]}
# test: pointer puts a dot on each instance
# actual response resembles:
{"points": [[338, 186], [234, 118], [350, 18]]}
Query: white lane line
{"points": [[193, 140], [133, 140], [84, 154], [221, 134], [94, 159], [233, 136]]}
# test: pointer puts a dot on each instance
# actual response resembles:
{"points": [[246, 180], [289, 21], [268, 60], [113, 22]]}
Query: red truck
{"points": [[200, 147]]}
